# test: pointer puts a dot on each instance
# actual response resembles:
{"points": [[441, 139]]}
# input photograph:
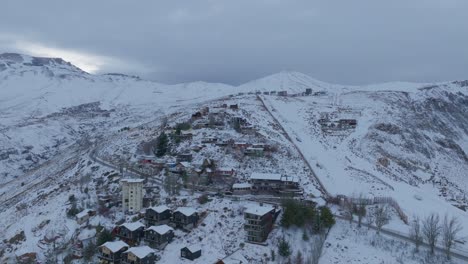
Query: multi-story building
{"points": [[273, 182], [132, 195], [258, 222]]}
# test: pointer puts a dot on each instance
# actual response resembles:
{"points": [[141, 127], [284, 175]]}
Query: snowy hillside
{"points": [[406, 141]]}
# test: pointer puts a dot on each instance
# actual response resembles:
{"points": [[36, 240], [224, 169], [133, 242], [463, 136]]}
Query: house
{"points": [[266, 93], [234, 258], [191, 252], [111, 252], [182, 167], [208, 163], [187, 157], [84, 238], [252, 151], [225, 172], [273, 182], [241, 188], [131, 233], [197, 115], [185, 218], [186, 135], [283, 93], [347, 123], [132, 195], [139, 255], [158, 215], [197, 148], [84, 216], [259, 221], [209, 140], [159, 236], [198, 124], [234, 106], [30, 257], [308, 91]]}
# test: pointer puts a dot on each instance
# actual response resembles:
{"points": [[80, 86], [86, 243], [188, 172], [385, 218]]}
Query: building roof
{"points": [[241, 185], [159, 209], [114, 246], [132, 180], [161, 229], [185, 164], [265, 176], [133, 226], [235, 258], [140, 252], [83, 213], [289, 178], [187, 211], [259, 210], [225, 169], [193, 248]]}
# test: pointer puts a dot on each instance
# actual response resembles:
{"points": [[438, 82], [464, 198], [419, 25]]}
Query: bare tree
{"points": [[381, 217], [416, 232], [360, 208], [349, 207], [431, 230], [369, 219], [450, 229]]}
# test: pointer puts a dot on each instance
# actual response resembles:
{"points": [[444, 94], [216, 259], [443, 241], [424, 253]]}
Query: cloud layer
{"points": [[349, 42]]}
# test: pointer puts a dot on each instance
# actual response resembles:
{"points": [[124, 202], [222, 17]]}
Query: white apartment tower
{"points": [[132, 195]]}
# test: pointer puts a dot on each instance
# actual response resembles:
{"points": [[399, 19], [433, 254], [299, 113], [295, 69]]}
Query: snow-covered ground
{"points": [[410, 144]]}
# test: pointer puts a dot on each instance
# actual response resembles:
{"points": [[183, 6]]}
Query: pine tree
{"points": [[161, 145], [104, 237], [326, 217], [284, 248]]}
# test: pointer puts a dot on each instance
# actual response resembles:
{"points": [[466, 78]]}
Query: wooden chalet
{"points": [[191, 252], [111, 252], [185, 218], [157, 215], [131, 233], [159, 236], [139, 255]]}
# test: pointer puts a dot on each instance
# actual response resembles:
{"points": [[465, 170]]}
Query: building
{"points": [[252, 151], [159, 236], [259, 221], [184, 157], [132, 195], [308, 91], [131, 233], [225, 172], [241, 188], [158, 215], [111, 252], [234, 106], [191, 252], [185, 217], [84, 216], [283, 93], [273, 182], [139, 255]]}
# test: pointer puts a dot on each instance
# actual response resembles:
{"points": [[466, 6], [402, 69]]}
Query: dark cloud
{"points": [[350, 42]]}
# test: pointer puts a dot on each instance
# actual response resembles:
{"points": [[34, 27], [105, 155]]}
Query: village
{"points": [[183, 158]]}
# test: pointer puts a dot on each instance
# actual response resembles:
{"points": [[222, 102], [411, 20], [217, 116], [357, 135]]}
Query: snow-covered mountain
{"points": [[410, 143]]}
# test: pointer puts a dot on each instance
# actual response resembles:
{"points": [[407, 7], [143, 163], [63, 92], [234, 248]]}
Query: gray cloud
{"points": [[349, 42]]}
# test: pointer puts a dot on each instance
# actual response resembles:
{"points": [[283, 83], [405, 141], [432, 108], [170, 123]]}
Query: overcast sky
{"points": [[346, 42]]}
